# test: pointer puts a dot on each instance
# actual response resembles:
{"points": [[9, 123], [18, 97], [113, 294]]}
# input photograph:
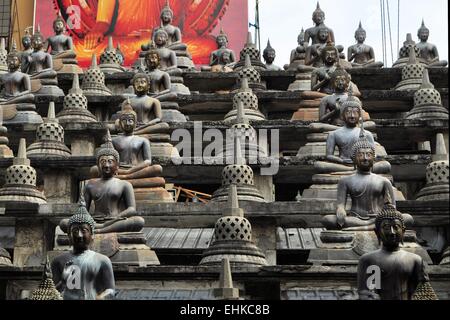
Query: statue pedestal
{"points": [[26, 114], [152, 195], [164, 150], [171, 112], [345, 247], [69, 68], [302, 82], [177, 85], [127, 248]]}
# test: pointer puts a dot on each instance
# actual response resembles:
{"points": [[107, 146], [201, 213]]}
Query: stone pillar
{"points": [[32, 241], [58, 186], [82, 146], [264, 232]]}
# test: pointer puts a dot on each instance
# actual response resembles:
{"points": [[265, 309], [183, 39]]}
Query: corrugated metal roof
{"points": [[165, 294], [171, 238], [298, 238]]}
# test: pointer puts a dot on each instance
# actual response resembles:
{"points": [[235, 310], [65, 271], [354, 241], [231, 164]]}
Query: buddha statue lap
{"points": [[361, 55], [40, 68], [428, 51], [62, 50], [16, 95]]}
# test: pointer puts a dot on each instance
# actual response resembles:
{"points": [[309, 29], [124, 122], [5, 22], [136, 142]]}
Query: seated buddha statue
{"points": [[168, 62], [297, 56], [318, 18], [40, 68], [428, 51], [312, 54], [362, 55], [115, 204], [61, 49], [269, 57], [221, 60], [368, 191], [27, 50], [136, 161], [320, 77], [160, 82]]}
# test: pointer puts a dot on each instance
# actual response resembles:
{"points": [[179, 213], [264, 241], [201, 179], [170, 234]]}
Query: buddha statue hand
{"points": [[341, 214]]}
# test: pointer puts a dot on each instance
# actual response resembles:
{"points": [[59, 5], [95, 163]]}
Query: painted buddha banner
{"points": [[131, 23]]}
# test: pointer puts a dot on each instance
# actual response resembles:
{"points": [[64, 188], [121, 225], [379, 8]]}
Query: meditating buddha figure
{"points": [[428, 51], [360, 54]]}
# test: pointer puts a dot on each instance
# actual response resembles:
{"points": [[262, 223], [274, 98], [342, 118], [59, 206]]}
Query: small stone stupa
{"points": [[249, 101], [254, 54], [49, 138], [226, 291], [241, 175], [411, 74], [437, 173], [75, 106], [20, 179], [233, 237], [403, 55], [47, 289], [3, 57], [94, 81], [252, 75], [427, 102], [110, 60]]}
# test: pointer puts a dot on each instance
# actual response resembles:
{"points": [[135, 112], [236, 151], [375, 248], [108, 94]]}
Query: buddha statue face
{"points": [[166, 16], [13, 62], [330, 56], [221, 41], [141, 85], [318, 17], [269, 56], [161, 38], [37, 42], [351, 116], [391, 232], [127, 123], [340, 83], [80, 236], [360, 36], [423, 34], [58, 26], [26, 42], [364, 159], [323, 35], [108, 166], [152, 60]]}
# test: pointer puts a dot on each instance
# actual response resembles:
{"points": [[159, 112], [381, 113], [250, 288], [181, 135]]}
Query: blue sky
{"points": [[282, 20]]}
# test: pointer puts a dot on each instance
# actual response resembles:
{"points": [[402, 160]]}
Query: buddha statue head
{"points": [[423, 33], [390, 227], [107, 158], [141, 83], [351, 110], [58, 24], [152, 57], [318, 15], [127, 118], [222, 39], [26, 40], [161, 37], [363, 153], [329, 54], [360, 34], [37, 40], [340, 79], [13, 59], [269, 53], [166, 14], [81, 228]]}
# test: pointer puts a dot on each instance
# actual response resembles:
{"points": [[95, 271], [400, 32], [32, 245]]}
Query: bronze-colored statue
{"points": [[222, 59], [402, 275], [362, 55], [83, 274], [369, 192], [115, 205], [344, 138], [297, 56], [428, 51], [168, 58], [160, 82], [17, 85], [318, 18], [27, 50], [269, 58]]}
